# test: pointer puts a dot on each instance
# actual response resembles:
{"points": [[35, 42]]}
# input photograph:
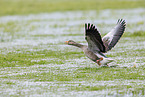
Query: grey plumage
{"points": [[114, 35], [97, 45]]}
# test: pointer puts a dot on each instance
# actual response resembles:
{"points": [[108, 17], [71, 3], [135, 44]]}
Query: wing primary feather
{"points": [[114, 35], [88, 25], [91, 26], [94, 27], [94, 39]]}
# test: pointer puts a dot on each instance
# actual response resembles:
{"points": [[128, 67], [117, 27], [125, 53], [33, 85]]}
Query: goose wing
{"points": [[93, 38], [114, 35]]}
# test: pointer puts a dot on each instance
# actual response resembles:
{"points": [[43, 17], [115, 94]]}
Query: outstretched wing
{"points": [[114, 35], [93, 38]]}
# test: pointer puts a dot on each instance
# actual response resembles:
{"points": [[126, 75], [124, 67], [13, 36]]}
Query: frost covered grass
{"points": [[34, 60]]}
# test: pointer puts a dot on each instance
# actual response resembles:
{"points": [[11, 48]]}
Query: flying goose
{"points": [[97, 45]]}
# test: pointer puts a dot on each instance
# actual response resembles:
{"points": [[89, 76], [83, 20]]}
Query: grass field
{"points": [[35, 61], [12, 7]]}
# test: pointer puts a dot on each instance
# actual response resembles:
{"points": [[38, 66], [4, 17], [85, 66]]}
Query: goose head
{"points": [[70, 42]]}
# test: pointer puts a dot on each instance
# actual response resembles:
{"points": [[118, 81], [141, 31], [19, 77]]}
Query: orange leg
{"points": [[98, 61]]}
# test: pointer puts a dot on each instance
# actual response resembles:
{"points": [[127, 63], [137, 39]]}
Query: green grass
{"points": [[82, 74], [12, 7], [24, 58], [44, 65], [135, 34]]}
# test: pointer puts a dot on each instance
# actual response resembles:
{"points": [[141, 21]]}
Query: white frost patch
{"points": [[48, 31], [59, 23], [50, 88]]}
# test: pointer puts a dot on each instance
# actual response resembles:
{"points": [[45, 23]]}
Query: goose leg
{"points": [[98, 61]]}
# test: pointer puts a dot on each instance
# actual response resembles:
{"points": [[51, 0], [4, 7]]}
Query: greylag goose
{"points": [[97, 45]]}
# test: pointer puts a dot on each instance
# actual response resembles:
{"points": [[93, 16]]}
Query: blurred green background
{"points": [[22, 7]]}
